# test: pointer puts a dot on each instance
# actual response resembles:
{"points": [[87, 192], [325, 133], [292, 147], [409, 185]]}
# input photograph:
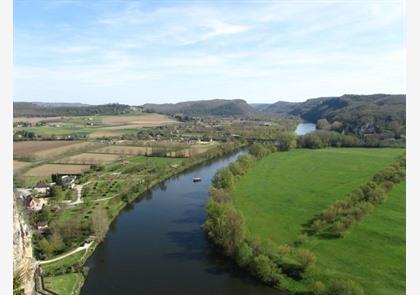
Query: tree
{"points": [[236, 168], [286, 141], [45, 247], [265, 269], [225, 226], [224, 179], [99, 223], [323, 124], [244, 254], [56, 241], [305, 258], [336, 126]]}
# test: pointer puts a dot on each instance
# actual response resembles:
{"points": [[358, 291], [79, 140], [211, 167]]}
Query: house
{"points": [[36, 204], [67, 180], [41, 188]]}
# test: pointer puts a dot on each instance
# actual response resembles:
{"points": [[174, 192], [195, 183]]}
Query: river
{"points": [[157, 246], [304, 128]]}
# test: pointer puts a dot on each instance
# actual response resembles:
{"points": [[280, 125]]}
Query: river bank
{"points": [[124, 200], [157, 246]]}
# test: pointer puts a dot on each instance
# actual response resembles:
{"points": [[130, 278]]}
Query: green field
{"points": [[284, 190], [373, 254], [67, 284]]}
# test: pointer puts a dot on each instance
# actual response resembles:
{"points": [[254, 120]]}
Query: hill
{"points": [[260, 106], [34, 109], [215, 107], [354, 113]]}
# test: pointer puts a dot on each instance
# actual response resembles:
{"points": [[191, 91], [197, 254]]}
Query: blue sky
{"points": [[168, 51]]}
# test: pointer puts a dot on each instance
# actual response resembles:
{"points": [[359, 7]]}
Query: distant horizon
{"points": [[190, 100], [136, 52]]}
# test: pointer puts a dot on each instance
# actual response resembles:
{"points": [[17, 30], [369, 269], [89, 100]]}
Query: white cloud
{"points": [[201, 50]]}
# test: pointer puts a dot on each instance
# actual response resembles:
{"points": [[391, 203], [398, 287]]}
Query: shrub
{"points": [[318, 288], [345, 287], [265, 269], [219, 195], [376, 196], [305, 258], [338, 228], [286, 141], [224, 179], [244, 254], [225, 226], [236, 169], [260, 151]]}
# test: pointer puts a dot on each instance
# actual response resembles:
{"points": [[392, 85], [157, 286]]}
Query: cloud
{"points": [[256, 50]]}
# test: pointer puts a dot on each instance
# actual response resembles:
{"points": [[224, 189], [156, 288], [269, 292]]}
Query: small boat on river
{"points": [[196, 179]]}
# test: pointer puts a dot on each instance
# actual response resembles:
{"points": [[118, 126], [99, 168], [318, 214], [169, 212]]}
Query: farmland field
{"points": [[124, 150], [17, 165], [34, 120], [143, 120], [291, 187], [48, 169], [47, 149], [90, 158], [285, 190], [373, 254]]}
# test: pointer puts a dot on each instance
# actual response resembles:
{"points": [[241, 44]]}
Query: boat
{"points": [[196, 179]]}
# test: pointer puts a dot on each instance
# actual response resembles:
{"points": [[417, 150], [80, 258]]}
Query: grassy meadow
{"points": [[373, 253], [285, 190]]}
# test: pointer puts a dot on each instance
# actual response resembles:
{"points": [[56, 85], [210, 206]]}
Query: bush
{"points": [[265, 269], [338, 228], [225, 226], [345, 287], [260, 151], [244, 254], [305, 258], [318, 288], [219, 195], [224, 179], [286, 141]]}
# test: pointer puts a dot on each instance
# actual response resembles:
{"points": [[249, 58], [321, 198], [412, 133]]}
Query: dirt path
{"points": [[78, 188], [84, 247]]}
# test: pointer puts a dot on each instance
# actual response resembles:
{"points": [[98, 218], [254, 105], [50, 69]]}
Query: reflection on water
{"points": [[304, 128], [158, 246]]}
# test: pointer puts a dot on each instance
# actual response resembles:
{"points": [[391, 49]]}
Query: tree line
{"points": [[335, 220]]}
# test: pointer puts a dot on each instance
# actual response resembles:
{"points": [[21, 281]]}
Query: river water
{"points": [[157, 246], [304, 128]]}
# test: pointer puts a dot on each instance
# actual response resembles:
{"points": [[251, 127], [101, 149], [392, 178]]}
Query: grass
{"points": [[62, 264], [285, 190], [373, 253], [66, 284]]}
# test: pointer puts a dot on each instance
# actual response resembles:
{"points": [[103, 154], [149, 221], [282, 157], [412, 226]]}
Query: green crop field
{"points": [[285, 190], [373, 253]]}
